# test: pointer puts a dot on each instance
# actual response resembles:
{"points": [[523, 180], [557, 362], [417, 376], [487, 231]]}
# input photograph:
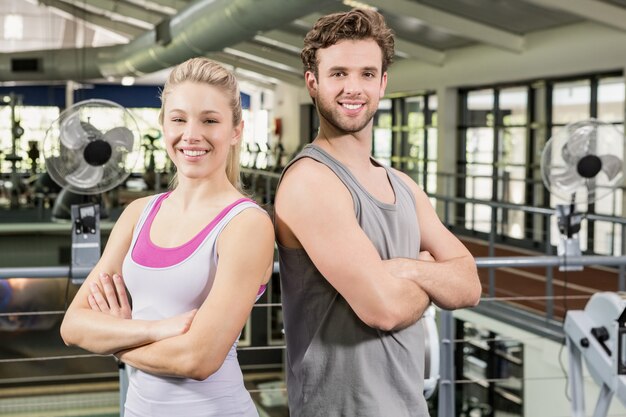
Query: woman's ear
{"points": [[237, 133]]}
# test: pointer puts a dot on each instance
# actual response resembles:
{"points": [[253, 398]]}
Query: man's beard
{"points": [[339, 122]]}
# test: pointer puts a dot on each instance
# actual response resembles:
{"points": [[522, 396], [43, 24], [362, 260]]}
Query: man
{"points": [[350, 231]]}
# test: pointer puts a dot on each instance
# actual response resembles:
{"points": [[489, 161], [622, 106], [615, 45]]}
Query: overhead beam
{"points": [[76, 34], [119, 9], [282, 39], [71, 12], [452, 23], [414, 50], [268, 53], [166, 7], [174, 4], [240, 62], [598, 11]]}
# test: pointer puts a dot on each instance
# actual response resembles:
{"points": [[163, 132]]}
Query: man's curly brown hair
{"points": [[356, 24]]}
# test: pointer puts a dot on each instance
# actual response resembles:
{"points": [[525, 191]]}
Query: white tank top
{"points": [[162, 292]]}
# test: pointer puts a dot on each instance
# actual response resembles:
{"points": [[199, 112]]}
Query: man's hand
{"points": [[403, 267], [425, 256]]}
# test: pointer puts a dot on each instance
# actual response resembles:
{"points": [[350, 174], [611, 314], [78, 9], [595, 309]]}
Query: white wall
{"points": [[287, 100], [572, 49], [544, 381]]}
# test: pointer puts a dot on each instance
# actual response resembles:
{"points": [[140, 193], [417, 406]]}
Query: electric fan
{"points": [[91, 148], [581, 163]]}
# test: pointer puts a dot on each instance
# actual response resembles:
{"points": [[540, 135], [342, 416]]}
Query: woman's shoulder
{"points": [[133, 210], [249, 217]]}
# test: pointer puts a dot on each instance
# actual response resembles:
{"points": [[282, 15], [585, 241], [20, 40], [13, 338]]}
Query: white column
{"points": [[447, 121]]}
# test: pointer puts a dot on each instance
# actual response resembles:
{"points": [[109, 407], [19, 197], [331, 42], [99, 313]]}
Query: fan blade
{"points": [[73, 135], [611, 165], [120, 136], [578, 143], [85, 176], [567, 181]]}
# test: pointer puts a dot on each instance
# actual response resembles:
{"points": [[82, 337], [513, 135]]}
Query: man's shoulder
{"points": [[310, 182], [307, 169]]}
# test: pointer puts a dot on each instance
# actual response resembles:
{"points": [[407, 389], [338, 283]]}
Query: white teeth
{"points": [[351, 106], [193, 153]]}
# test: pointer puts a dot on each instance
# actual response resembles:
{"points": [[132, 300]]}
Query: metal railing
{"points": [[490, 306]]}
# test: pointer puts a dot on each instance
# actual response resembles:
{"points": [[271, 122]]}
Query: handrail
{"points": [[481, 262], [447, 331]]}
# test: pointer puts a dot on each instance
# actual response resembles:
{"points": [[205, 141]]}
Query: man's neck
{"points": [[351, 149]]}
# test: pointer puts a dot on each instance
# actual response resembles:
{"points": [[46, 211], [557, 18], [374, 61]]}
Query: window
{"points": [[382, 140], [600, 97], [502, 133], [405, 137]]}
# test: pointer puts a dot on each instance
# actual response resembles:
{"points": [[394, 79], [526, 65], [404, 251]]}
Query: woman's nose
{"points": [[191, 132]]}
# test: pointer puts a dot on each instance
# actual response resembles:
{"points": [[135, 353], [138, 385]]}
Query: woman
{"points": [[193, 260]]}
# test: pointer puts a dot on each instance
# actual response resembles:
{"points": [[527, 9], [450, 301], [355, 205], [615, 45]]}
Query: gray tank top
{"points": [[336, 364]]}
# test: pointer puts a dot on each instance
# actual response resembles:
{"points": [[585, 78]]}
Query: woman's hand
{"points": [[111, 298]]}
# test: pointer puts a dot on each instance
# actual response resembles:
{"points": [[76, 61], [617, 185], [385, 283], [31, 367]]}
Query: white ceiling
{"points": [[425, 29]]}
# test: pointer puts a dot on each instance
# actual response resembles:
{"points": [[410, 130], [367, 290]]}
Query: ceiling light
{"points": [[358, 5], [13, 27]]}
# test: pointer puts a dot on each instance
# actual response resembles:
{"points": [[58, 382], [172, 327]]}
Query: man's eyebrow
{"points": [[342, 68]]}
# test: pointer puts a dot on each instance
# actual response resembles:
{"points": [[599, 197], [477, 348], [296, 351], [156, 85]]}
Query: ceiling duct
{"points": [[202, 27]]}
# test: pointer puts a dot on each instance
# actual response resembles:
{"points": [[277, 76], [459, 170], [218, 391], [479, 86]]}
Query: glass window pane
{"points": [[431, 182], [381, 148], [432, 101], [513, 106], [432, 109], [570, 101], [416, 149], [478, 217], [35, 120], [153, 153], [611, 100], [479, 146], [603, 236], [432, 144], [480, 108], [513, 145], [415, 112], [514, 185], [513, 223]]}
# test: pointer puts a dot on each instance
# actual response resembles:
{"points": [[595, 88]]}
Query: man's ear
{"points": [[383, 84], [311, 83]]}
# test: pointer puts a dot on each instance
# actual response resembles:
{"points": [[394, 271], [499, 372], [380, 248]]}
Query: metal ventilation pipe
{"points": [[203, 26]]}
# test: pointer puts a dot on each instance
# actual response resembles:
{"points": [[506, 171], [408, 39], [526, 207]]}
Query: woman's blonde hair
{"points": [[203, 70]]}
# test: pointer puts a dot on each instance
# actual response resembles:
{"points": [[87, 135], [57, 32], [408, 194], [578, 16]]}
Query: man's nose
{"points": [[352, 85]]}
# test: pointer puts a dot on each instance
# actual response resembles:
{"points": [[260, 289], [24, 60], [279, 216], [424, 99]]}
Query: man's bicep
{"points": [[435, 237], [321, 216]]}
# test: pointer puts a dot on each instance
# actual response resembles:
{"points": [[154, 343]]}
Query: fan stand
{"points": [[85, 240], [568, 221]]}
